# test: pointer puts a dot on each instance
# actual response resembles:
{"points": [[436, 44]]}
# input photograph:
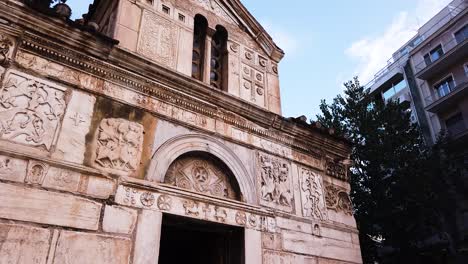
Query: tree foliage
{"points": [[401, 189]]}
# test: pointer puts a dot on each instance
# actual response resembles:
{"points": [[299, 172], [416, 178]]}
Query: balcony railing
{"points": [[436, 95], [401, 58], [447, 47]]}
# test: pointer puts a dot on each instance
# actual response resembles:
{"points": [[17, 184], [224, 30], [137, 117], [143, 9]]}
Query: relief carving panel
{"points": [[275, 182], [200, 175], [119, 145], [337, 199], [6, 47], [158, 39], [30, 110], [313, 201]]}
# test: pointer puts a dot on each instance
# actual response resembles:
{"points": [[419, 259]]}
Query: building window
{"points": [[198, 52], [181, 18], [166, 10], [434, 55], [455, 124], [461, 34], [149, 2], [445, 87], [218, 62], [396, 87]]}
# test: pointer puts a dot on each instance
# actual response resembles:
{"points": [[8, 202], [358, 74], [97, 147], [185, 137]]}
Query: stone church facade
{"points": [[151, 132]]}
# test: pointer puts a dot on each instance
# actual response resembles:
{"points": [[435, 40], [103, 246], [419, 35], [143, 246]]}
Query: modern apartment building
{"points": [[426, 69], [430, 74]]}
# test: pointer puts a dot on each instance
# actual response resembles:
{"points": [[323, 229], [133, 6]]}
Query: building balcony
{"points": [[437, 103], [454, 50]]}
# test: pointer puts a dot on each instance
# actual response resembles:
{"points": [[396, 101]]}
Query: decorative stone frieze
{"points": [[336, 169], [119, 145], [337, 199], [12, 169], [275, 182], [200, 209], [158, 39], [200, 175], [313, 201], [30, 110]]}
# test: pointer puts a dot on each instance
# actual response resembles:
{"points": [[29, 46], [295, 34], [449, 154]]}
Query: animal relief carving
{"points": [[119, 145], [337, 199], [6, 44], [275, 184], [30, 110], [313, 202]]}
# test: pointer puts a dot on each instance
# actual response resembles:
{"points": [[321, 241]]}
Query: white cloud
{"points": [[373, 52], [282, 38]]}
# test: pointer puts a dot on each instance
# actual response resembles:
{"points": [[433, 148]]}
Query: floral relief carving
{"points": [[30, 110], [241, 218], [313, 202], [158, 39], [275, 183], [200, 175], [337, 199], [147, 199], [119, 145], [164, 202]]}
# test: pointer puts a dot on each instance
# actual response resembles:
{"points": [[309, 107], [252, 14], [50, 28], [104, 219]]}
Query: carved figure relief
{"points": [[275, 184], [313, 202], [158, 39], [119, 145], [30, 110], [336, 169], [220, 214], [337, 199], [6, 44], [191, 208], [36, 172], [241, 218], [201, 175]]}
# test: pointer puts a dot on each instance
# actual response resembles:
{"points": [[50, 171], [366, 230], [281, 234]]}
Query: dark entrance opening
{"points": [[186, 240]]}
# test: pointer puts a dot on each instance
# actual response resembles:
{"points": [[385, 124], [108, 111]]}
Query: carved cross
{"points": [[77, 119], [256, 82]]}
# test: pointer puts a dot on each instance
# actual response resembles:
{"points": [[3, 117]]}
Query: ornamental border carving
{"points": [[202, 209], [152, 88]]}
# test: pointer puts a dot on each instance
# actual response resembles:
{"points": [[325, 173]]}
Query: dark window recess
{"points": [[434, 55], [166, 10], [181, 18], [198, 52], [461, 34], [218, 61], [445, 87], [455, 124]]}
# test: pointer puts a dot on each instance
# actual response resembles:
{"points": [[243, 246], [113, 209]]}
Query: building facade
{"points": [[430, 75], [151, 132]]}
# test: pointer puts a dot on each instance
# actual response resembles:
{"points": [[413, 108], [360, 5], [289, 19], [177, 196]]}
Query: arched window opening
{"points": [[218, 63], [198, 52], [203, 173]]}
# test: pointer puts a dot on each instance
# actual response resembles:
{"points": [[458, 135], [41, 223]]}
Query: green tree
{"points": [[400, 188]]}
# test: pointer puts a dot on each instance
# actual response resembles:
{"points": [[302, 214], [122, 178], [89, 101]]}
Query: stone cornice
{"points": [[83, 51]]}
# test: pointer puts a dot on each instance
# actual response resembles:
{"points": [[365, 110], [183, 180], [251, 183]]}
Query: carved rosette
{"points": [[119, 145], [200, 175], [337, 199], [30, 110], [274, 181], [313, 201]]}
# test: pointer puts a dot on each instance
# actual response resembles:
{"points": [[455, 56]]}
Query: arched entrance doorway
{"points": [[187, 240]]}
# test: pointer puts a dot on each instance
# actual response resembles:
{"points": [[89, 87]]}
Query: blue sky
{"points": [[329, 42]]}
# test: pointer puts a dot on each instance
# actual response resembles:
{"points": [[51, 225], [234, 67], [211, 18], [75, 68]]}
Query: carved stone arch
{"points": [[175, 147]]}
